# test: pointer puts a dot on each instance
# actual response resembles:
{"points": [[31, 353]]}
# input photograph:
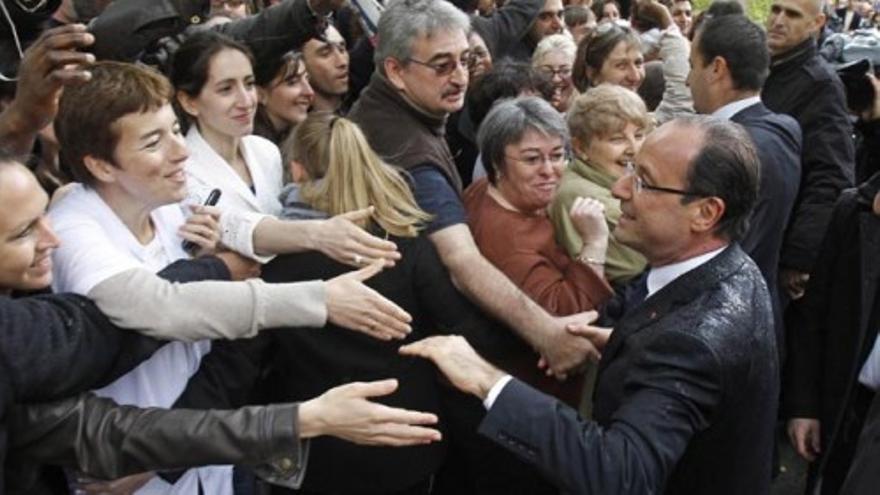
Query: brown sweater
{"points": [[523, 248]]}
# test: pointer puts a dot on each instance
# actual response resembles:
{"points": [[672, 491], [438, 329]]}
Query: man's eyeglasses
{"points": [[553, 159], [446, 67], [639, 184], [551, 72]]}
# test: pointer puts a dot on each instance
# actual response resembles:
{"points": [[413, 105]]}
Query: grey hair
{"points": [[555, 42], [508, 121], [405, 20]]}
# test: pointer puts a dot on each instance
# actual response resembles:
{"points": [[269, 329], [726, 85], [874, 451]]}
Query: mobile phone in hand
{"points": [[213, 198]]}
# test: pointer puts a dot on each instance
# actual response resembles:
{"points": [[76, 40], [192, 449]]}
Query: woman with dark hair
{"points": [[217, 96], [284, 96], [613, 54]]}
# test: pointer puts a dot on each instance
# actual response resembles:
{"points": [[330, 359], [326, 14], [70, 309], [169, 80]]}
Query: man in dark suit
{"points": [[685, 399], [834, 360], [729, 63]]}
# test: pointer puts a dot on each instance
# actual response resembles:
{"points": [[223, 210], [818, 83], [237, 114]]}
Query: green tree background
{"points": [[757, 9]]}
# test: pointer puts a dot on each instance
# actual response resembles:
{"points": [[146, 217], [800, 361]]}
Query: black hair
{"points": [[741, 43], [727, 167], [507, 79]]}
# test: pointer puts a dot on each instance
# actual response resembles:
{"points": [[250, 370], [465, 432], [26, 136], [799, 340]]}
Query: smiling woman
{"points": [[26, 241], [524, 145]]}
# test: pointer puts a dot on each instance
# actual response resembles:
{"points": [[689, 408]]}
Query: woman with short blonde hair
{"points": [[608, 124]]}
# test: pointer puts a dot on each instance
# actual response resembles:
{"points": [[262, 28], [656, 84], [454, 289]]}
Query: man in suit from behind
{"points": [[687, 390], [729, 64]]}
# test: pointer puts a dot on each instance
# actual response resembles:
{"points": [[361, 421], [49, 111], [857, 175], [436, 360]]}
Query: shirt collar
{"points": [[734, 107], [662, 276]]}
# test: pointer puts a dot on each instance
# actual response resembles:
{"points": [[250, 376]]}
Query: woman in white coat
{"points": [[215, 89]]}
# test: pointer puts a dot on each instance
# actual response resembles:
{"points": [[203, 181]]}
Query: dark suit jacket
{"points": [[777, 138], [864, 475], [685, 399], [842, 304]]}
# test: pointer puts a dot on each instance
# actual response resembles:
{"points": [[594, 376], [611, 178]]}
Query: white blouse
{"points": [[242, 208]]}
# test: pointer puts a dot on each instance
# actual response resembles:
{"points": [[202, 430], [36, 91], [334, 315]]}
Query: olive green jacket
{"points": [[579, 179]]}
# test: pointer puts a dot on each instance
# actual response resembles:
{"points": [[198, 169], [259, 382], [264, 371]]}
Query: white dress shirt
{"points": [[728, 111]]}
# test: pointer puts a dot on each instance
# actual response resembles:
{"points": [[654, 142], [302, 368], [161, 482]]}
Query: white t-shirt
{"points": [[96, 245]]}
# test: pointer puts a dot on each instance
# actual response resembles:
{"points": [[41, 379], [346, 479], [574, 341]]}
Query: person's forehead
{"points": [[445, 42], [667, 151], [624, 52], [681, 6], [133, 126], [229, 63], [802, 7], [552, 6]]}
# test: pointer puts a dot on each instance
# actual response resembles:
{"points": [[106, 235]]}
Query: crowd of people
{"points": [[323, 247]]}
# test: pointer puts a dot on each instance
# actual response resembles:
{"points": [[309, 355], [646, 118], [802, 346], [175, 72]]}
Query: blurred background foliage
{"points": [[757, 9]]}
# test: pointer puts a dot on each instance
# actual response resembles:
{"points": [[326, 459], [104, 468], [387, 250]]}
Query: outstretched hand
{"points": [[343, 240], [345, 412], [351, 304], [458, 361]]}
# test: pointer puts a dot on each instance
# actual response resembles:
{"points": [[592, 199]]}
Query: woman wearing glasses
{"points": [[608, 125], [554, 57], [524, 147]]}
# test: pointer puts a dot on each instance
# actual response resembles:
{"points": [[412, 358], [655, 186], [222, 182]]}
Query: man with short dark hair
{"points": [[729, 63], [683, 15], [326, 61], [686, 395]]}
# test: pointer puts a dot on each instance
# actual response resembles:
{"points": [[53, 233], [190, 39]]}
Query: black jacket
{"points": [[867, 150], [685, 400], [68, 346], [804, 86], [777, 139], [297, 364], [124, 30], [842, 304], [864, 475]]}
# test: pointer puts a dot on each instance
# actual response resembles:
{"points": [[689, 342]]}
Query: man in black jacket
{"points": [[685, 399], [802, 85], [826, 392], [729, 63]]}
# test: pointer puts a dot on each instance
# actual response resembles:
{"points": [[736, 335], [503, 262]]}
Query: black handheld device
{"points": [[213, 197]]}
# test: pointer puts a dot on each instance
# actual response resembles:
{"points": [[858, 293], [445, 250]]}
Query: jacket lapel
{"points": [[680, 291], [869, 242], [208, 163]]}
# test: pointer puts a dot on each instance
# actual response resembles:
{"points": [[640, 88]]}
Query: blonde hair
{"points": [[606, 109], [345, 174]]}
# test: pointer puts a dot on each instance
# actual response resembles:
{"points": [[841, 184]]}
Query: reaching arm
{"points": [[635, 454], [140, 300], [495, 293]]}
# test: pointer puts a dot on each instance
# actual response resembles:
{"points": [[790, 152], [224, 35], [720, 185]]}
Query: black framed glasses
{"points": [[639, 184], [448, 66]]}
